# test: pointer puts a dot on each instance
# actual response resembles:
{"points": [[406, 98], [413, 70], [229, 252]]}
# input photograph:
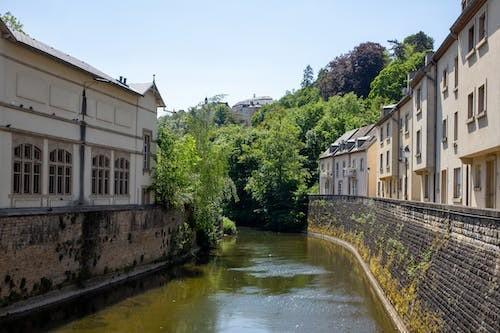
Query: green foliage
{"points": [[387, 86], [228, 226], [192, 169], [279, 182], [12, 22], [308, 78]]}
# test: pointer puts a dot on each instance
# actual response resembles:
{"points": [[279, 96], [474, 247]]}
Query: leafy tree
{"points": [[352, 72], [279, 182], [389, 83], [308, 78], [420, 41], [12, 22]]}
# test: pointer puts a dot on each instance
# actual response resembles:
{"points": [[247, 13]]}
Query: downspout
{"points": [[83, 137], [398, 130], [436, 92], [138, 195]]}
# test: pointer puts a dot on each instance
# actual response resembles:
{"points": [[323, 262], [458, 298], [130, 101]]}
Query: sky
{"points": [[235, 47]]}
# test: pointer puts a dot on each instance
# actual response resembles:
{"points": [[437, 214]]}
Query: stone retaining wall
{"points": [[439, 265], [43, 251]]}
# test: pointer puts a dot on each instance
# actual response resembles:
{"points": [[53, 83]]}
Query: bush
{"points": [[228, 226]]}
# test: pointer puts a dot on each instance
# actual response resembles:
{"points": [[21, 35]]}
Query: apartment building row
{"points": [[69, 133], [441, 142]]}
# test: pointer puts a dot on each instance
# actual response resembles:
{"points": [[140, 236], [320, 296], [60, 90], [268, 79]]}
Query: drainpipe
{"points": [[436, 92], [83, 136], [398, 130]]}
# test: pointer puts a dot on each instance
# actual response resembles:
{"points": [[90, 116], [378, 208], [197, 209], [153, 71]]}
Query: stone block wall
{"points": [[439, 265], [43, 251]]}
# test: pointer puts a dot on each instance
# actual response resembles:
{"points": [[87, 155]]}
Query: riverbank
{"points": [[389, 308], [437, 264]]}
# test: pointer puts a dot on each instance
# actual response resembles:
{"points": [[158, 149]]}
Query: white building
{"points": [[244, 110], [69, 133]]}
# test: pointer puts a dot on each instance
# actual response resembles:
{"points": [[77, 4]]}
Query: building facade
{"points": [[344, 167], [441, 142], [244, 110], [70, 134]]}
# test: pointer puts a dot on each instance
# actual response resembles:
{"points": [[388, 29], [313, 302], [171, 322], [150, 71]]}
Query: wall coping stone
{"points": [[10, 212], [490, 214]]}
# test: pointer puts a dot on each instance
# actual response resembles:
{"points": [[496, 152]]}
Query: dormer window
{"points": [[419, 99]]}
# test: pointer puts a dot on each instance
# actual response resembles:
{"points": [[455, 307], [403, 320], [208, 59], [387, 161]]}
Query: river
{"points": [[257, 282]]}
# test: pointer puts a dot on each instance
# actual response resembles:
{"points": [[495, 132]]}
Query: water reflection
{"points": [[258, 282]]}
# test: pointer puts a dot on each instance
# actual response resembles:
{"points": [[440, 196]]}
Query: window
{"points": [[322, 166], [477, 177], [445, 79], [378, 189], [354, 163], [100, 175], [354, 187], [470, 106], [381, 135], [388, 130], [455, 126], [456, 72], [419, 99], [339, 188], [27, 169], [381, 163], [337, 169], [407, 117], [147, 150], [419, 143], [481, 99], [457, 183], [471, 40], [122, 175], [361, 165], [387, 162], [343, 168], [60, 172], [482, 27], [445, 130], [426, 186]]}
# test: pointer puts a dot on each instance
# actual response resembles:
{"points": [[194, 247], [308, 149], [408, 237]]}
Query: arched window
{"points": [[27, 169], [100, 175], [60, 172], [122, 168]]}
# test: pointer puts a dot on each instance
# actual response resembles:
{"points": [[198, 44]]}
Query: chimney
{"points": [[428, 57], [120, 79], [125, 81]]}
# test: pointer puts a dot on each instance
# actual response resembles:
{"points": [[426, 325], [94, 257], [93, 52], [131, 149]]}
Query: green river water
{"points": [[257, 282]]}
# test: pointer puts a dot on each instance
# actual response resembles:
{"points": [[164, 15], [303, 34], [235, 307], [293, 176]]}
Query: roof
{"points": [[253, 101], [143, 88], [337, 142], [466, 15], [42, 48], [361, 133]]}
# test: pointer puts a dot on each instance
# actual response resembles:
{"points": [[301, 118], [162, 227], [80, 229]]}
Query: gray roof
{"points": [[37, 46], [262, 100], [343, 137], [365, 132]]}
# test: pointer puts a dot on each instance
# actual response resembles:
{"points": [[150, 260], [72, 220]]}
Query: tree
{"points": [[353, 72], [279, 182], [420, 41], [308, 77], [12, 22]]}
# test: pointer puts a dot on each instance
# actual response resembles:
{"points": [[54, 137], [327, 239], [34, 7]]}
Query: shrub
{"points": [[228, 226]]}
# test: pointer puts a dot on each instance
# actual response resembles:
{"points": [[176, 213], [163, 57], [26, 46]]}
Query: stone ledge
{"points": [[10, 212], [395, 318]]}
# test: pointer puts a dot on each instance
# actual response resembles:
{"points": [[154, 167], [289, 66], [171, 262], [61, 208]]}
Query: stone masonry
{"points": [[40, 252], [450, 254]]}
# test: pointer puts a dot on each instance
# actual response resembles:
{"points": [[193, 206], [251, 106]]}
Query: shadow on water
{"points": [[50, 318], [256, 282]]}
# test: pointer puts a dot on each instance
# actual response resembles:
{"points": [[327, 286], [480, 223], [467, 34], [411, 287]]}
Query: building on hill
{"points": [[244, 110], [345, 167], [71, 134]]}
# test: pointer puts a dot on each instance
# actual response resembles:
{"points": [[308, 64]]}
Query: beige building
{"points": [[69, 133], [243, 111], [344, 168], [441, 142], [468, 64]]}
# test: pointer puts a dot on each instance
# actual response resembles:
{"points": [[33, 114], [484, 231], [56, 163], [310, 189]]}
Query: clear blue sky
{"points": [[234, 47]]}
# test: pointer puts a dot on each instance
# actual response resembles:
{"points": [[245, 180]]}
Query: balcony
{"points": [[350, 172]]}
